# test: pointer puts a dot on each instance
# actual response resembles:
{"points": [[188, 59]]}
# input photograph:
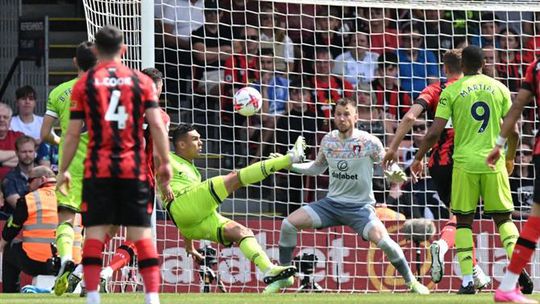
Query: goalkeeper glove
{"points": [[275, 155], [394, 175]]}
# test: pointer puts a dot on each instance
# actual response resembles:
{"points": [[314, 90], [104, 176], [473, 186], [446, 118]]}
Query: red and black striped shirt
{"points": [[149, 148], [441, 152], [531, 82], [111, 99]]}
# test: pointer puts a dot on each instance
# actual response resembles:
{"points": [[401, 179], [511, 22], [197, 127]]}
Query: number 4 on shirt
{"points": [[116, 112]]}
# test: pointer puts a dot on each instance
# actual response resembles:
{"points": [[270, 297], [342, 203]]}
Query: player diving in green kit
{"points": [[194, 208]]}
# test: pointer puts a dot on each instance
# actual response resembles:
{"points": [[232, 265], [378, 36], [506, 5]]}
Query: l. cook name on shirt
{"points": [[113, 81]]}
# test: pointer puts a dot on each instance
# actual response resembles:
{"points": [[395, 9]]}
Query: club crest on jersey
{"points": [[357, 149], [342, 165]]}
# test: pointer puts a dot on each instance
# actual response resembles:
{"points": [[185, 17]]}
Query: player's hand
{"points": [[63, 182], [390, 157], [275, 155], [395, 176], [164, 175], [167, 195], [493, 157], [509, 166], [197, 256], [417, 170]]}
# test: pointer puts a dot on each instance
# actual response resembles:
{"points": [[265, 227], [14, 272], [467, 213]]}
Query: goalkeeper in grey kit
{"points": [[350, 155]]}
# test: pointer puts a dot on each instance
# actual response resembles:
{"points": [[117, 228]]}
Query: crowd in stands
{"points": [[302, 58]]}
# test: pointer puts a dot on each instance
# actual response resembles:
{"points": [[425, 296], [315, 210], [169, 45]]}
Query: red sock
{"points": [[525, 246], [448, 232], [148, 264], [92, 263], [474, 261], [123, 255]]}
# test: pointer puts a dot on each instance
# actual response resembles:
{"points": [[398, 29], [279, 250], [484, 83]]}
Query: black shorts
{"points": [[111, 201], [536, 162], [442, 180]]}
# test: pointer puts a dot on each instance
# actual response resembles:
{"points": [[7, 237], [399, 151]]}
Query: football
{"points": [[247, 101]]}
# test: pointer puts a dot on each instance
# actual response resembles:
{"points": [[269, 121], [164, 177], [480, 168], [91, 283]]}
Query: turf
{"points": [[133, 298]]}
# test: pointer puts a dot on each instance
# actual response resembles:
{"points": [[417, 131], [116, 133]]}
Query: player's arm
{"points": [[14, 223], [47, 133], [161, 145], [403, 128], [190, 249], [314, 167], [431, 137], [509, 127]]}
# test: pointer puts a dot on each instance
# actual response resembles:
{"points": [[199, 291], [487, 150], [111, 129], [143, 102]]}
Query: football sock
{"points": [[64, 241], [448, 234], [509, 235], [253, 252], [524, 249], [287, 242], [148, 265], [123, 255], [464, 246], [260, 170], [92, 262], [396, 257]]}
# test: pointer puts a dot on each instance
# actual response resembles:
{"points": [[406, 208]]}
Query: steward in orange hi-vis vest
{"points": [[36, 215]]}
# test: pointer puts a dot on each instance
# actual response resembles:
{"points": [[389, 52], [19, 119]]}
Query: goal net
{"points": [[303, 56]]}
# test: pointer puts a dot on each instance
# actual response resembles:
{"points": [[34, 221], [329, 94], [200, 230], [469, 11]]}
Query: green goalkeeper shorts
{"points": [[194, 210], [493, 188]]}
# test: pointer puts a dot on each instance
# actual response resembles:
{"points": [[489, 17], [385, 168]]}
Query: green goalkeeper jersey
{"points": [[185, 174], [475, 105], [58, 106]]}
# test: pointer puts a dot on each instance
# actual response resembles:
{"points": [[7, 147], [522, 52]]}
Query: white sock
{"points": [[151, 298], [78, 270], [92, 297], [466, 280], [66, 258], [106, 272], [509, 281], [443, 248]]}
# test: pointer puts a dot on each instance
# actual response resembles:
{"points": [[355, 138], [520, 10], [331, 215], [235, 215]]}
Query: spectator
{"points": [[438, 31], [488, 28], [35, 215], [274, 36], [418, 67], [327, 23], [8, 158], [26, 121], [274, 87], [394, 101], [491, 57], [358, 65], [212, 46], [328, 88], [370, 117], [532, 46], [179, 19], [510, 64], [240, 13], [383, 34], [522, 182], [15, 184], [298, 120], [240, 70]]}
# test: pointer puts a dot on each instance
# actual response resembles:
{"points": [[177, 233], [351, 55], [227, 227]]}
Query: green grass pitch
{"points": [[251, 298]]}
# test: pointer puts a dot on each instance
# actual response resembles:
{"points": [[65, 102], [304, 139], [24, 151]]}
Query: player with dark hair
{"points": [[68, 205], [530, 233], [126, 252], [440, 162], [475, 104], [112, 101], [349, 154], [194, 209]]}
